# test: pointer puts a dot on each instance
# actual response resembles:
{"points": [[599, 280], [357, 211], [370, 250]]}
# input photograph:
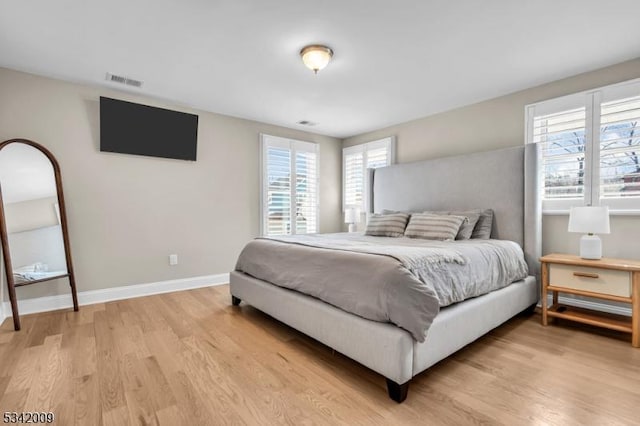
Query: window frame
{"points": [[294, 146], [591, 100], [389, 143]]}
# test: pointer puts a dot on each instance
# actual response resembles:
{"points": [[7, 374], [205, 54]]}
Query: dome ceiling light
{"points": [[316, 56]]}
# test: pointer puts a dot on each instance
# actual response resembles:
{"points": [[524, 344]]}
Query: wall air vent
{"points": [[123, 80], [306, 123]]}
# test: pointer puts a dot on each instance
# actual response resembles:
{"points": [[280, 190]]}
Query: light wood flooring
{"points": [[190, 358]]}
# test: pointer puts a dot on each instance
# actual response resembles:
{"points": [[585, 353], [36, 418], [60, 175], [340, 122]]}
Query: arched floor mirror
{"points": [[33, 220]]}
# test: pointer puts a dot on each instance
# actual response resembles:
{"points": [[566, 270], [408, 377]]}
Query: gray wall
{"points": [[128, 213], [499, 123]]}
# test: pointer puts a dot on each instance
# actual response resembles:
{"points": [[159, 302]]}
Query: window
{"points": [[590, 144], [289, 186], [355, 162]]}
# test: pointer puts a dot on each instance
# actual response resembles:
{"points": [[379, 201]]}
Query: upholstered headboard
{"points": [[504, 180]]}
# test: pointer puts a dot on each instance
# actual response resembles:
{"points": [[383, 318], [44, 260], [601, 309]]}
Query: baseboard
{"points": [[64, 301], [589, 304]]}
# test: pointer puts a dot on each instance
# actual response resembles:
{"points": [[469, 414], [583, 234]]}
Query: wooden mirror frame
{"points": [[4, 236]]}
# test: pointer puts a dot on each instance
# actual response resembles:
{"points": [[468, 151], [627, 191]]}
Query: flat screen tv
{"points": [[130, 128]]}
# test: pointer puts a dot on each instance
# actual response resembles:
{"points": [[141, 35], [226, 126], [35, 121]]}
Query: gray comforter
{"points": [[399, 280]]}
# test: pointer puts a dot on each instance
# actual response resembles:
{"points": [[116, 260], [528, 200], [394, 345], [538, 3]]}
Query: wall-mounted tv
{"points": [[130, 128]]}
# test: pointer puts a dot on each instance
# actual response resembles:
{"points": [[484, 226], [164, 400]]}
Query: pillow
{"points": [[386, 225], [482, 231], [466, 230], [385, 211], [434, 226]]}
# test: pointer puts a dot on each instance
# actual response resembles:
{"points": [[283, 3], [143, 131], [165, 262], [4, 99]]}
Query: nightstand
{"points": [[608, 279]]}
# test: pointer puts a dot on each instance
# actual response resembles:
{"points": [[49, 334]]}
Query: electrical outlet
{"points": [[173, 259]]}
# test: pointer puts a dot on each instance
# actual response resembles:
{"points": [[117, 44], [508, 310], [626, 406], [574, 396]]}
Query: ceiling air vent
{"points": [[123, 80], [306, 123]]}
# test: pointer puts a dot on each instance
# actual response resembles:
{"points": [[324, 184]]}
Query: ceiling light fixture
{"points": [[316, 56]]}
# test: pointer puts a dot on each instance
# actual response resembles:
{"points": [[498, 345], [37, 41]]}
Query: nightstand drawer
{"points": [[596, 280]]}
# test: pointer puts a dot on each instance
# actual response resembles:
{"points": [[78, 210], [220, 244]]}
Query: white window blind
{"points": [[355, 162], [590, 144], [306, 190], [353, 178], [290, 203], [562, 136], [620, 148]]}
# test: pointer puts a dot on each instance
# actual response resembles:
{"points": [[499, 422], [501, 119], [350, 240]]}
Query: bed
{"points": [[503, 180]]}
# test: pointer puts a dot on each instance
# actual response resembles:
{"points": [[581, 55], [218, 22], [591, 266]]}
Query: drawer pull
{"points": [[585, 275]]}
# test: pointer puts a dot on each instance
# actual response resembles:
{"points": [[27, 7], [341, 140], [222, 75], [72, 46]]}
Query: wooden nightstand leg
{"points": [[635, 310], [543, 297]]}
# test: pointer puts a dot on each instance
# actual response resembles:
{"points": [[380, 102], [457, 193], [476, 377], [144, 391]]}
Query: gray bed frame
{"points": [[505, 180]]}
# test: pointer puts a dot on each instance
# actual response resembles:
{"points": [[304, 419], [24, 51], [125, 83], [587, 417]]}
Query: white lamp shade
{"points": [[589, 220], [352, 215]]}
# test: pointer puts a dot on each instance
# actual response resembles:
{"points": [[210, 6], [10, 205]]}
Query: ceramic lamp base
{"points": [[590, 247]]}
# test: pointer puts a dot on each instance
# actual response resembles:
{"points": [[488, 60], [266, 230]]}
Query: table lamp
{"points": [[590, 220], [352, 216]]}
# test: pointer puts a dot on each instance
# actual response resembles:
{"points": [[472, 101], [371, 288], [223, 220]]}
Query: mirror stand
{"points": [[33, 219]]}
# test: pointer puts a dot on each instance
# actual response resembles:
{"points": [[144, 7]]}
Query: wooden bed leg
{"points": [[235, 301], [397, 392]]}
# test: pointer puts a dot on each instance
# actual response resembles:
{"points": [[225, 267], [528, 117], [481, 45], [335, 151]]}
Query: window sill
{"points": [[632, 212]]}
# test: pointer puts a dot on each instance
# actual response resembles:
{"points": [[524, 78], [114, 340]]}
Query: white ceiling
{"points": [[394, 60], [25, 174]]}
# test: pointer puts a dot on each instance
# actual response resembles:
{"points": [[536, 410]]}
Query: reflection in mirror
{"points": [[33, 223], [30, 203]]}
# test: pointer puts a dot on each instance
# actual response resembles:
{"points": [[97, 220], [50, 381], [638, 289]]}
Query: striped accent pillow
{"points": [[465, 231], [434, 226], [387, 225], [482, 230]]}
